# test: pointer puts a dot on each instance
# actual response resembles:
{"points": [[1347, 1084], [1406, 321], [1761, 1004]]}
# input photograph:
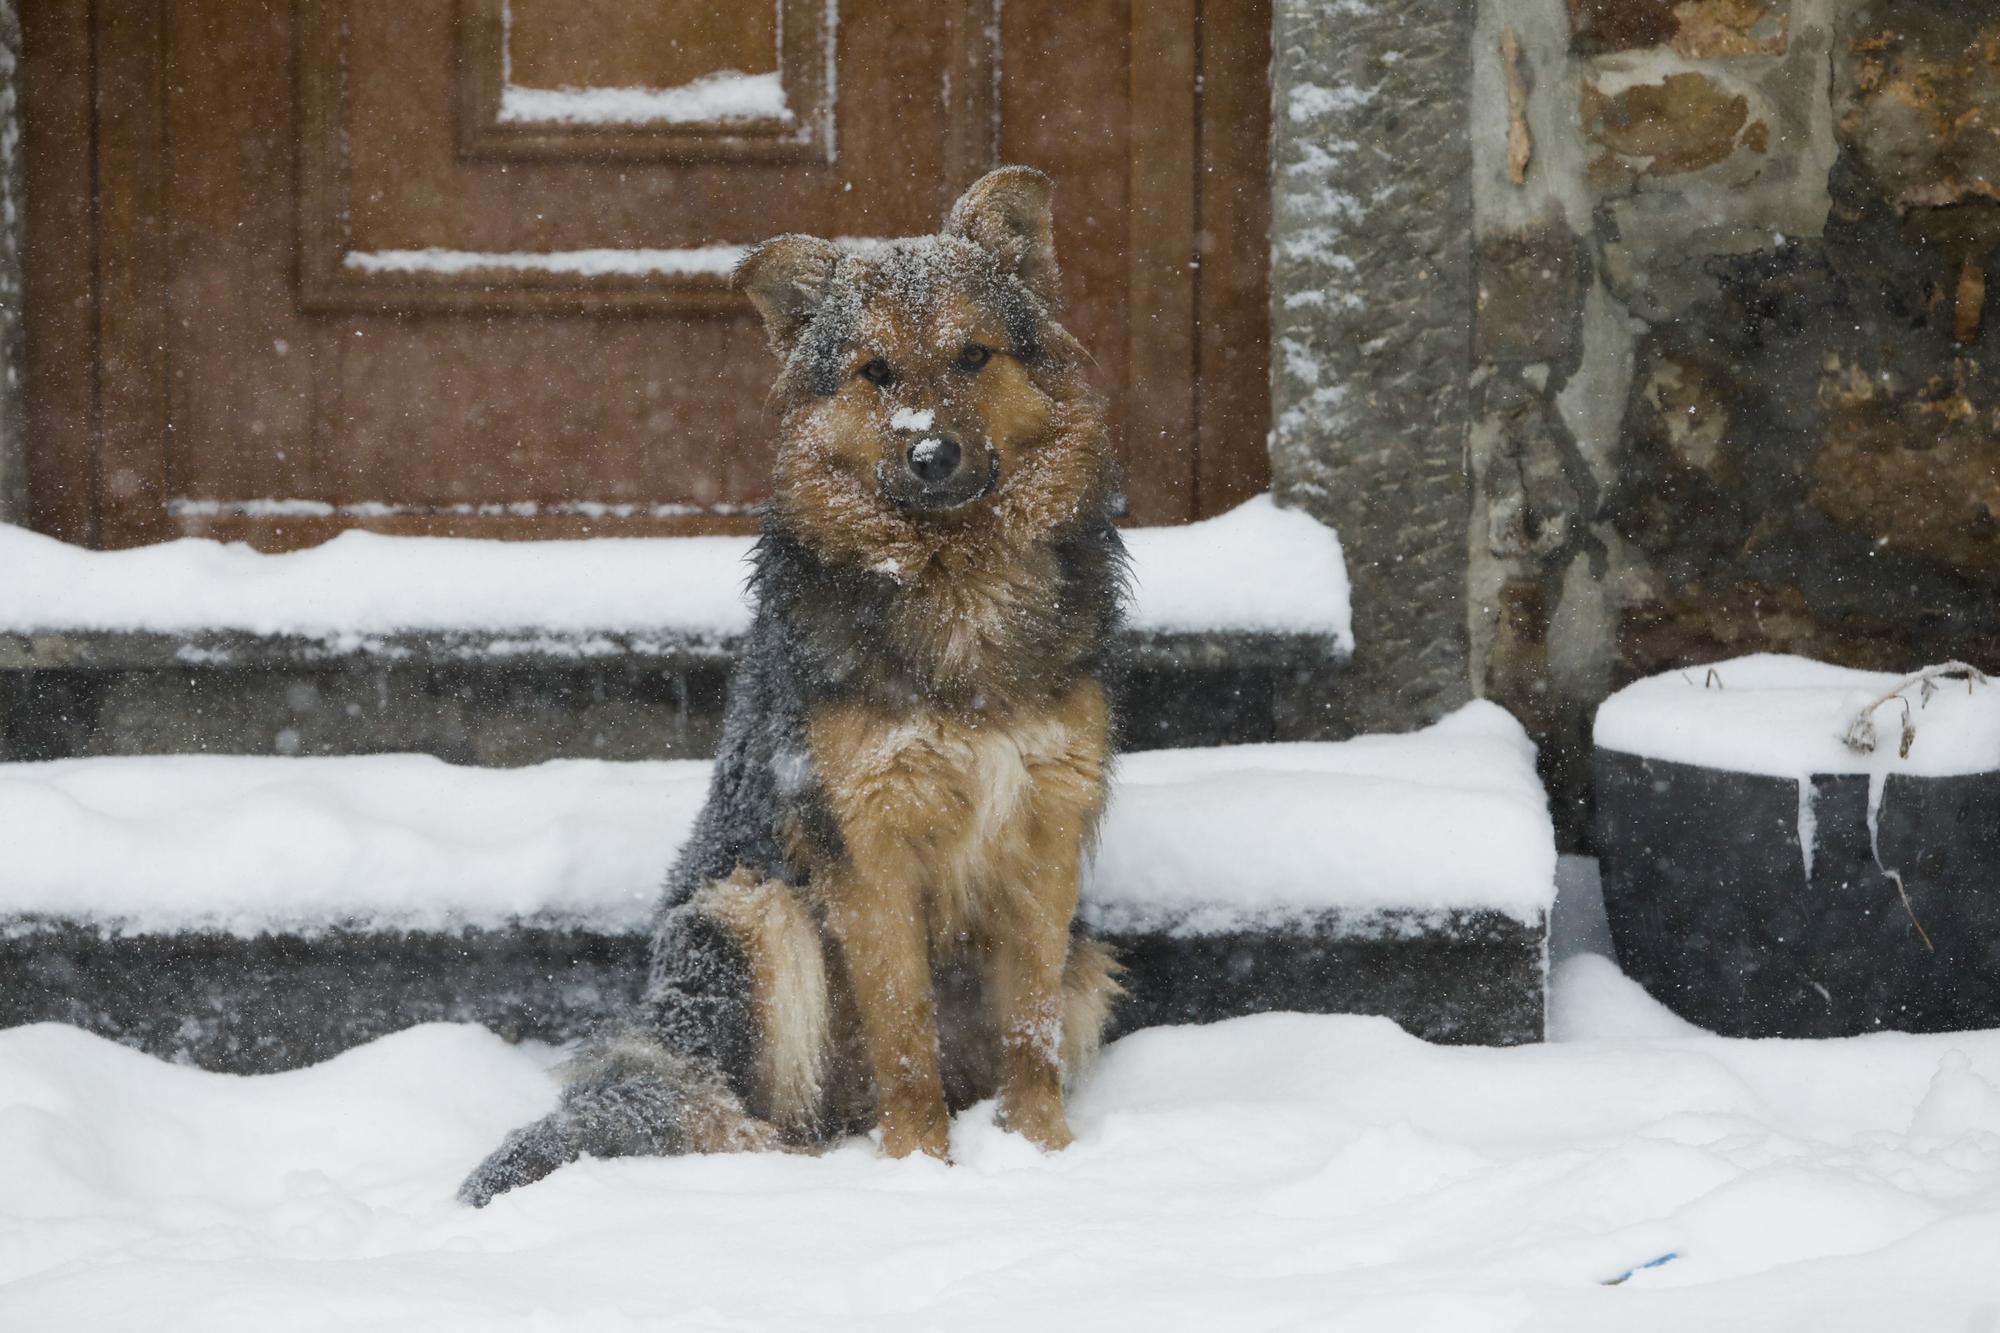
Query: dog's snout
{"points": [[935, 458], [927, 468]]}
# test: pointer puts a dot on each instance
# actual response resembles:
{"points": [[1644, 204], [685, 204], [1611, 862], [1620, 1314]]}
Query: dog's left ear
{"points": [[1007, 213]]}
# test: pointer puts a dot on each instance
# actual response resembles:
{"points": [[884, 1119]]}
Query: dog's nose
{"points": [[934, 458]]}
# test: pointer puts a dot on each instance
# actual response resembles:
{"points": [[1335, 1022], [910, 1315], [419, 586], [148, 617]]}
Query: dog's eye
{"points": [[877, 373], [974, 356]]}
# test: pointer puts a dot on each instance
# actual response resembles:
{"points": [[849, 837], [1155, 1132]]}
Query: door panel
{"points": [[551, 76], [400, 212], [460, 266]]}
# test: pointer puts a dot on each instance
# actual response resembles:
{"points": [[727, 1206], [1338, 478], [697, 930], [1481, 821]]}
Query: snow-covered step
{"points": [[251, 912], [495, 652], [1255, 569]]}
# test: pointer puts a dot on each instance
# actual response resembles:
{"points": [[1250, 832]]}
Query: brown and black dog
{"points": [[874, 921]]}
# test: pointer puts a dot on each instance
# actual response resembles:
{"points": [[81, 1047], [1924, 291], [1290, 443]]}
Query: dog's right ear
{"points": [[787, 279]]}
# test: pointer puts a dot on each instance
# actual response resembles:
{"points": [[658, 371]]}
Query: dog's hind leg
{"points": [[790, 998], [732, 1030]]}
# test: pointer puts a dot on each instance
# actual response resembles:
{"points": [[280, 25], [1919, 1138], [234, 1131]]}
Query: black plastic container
{"points": [[1713, 911]]}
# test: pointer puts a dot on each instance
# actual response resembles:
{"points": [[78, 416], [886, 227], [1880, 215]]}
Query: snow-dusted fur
{"points": [[917, 740]]}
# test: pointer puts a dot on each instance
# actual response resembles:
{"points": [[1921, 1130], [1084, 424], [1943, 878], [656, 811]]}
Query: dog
{"points": [[874, 921]]}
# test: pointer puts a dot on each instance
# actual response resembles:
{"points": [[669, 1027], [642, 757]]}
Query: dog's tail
{"points": [[736, 1008], [625, 1096], [1090, 990]]}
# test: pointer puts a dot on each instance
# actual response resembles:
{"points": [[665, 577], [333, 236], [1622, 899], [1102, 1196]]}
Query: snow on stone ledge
{"points": [[252, 843], [1256, 568], [1449, 819], [1196, 841], [1785, 716]]}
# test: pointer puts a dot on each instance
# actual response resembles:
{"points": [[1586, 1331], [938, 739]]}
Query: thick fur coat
{"points": [[873, 922]]}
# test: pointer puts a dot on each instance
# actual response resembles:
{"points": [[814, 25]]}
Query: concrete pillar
{"points": [[1371, 309]]}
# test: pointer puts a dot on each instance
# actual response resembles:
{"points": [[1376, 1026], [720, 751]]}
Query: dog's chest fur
{"points": [[967, 802], [974, 628], [954, 719], [971, 626]]}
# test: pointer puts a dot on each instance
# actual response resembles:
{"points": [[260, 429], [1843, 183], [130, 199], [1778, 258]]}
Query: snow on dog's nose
{"points": [[933, 458], [935, 470]]}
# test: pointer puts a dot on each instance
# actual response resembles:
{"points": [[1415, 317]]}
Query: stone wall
{"points": [[13, 450], [1733, 385], [1728, 383]]}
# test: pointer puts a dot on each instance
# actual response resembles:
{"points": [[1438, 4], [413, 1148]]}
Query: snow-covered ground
{"points": [[1449, 818], [1257, 568], [1278, 1172]]}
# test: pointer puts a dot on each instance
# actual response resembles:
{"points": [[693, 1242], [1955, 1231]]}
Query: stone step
{"points": [[509, 653], [256, 1004], [260, 913], [506, 698]]}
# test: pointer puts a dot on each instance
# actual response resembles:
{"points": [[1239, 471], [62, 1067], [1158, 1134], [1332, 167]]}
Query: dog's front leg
{"points": [[876, 913], [1029, 950], [1031, 937], [884, 801]]}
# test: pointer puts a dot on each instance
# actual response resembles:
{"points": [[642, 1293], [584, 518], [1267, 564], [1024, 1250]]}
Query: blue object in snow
{"points": [[1668, 1257]]}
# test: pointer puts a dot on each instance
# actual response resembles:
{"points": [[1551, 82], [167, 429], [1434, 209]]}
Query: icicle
{"points": [[1809, 824], [1878, 780]]}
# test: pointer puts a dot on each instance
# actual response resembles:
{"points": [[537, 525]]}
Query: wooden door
{"points": [[460, 266]]}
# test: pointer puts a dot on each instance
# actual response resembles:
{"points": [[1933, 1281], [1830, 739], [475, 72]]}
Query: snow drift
{"points": [[1278, 1172]]}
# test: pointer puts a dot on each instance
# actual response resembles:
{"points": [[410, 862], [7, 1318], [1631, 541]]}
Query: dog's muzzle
{"points": [[936, 472]]}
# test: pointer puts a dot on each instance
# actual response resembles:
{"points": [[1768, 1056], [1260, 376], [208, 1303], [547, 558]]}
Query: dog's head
{"points": [[926, 386]]}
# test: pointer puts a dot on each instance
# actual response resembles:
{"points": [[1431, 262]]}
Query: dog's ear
{"points": [[787, 279], [1007, 213]]}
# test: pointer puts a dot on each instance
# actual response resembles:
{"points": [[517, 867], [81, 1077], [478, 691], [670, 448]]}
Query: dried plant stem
{"points": [[1860, 733]]}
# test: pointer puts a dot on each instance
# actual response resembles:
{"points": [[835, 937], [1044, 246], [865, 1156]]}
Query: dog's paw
{"points": [[529, 1153], [1038, 1120], [918, 1130]]}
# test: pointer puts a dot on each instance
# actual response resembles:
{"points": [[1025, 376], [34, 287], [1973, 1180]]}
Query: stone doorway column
{"points": [[1371, 322]]}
